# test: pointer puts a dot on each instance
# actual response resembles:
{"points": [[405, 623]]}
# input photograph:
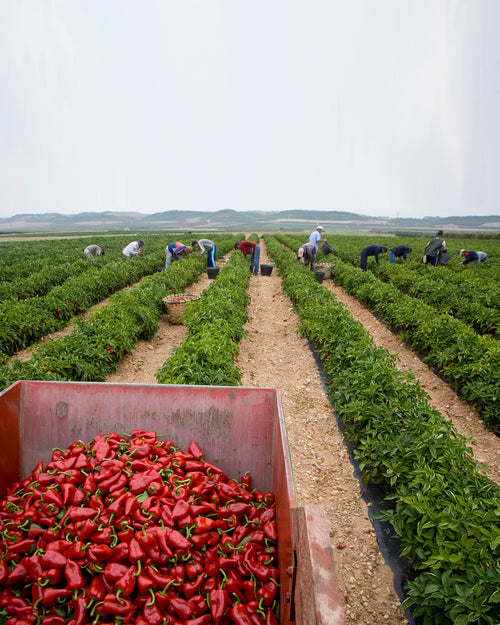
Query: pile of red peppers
{"points": [[131, 529]]}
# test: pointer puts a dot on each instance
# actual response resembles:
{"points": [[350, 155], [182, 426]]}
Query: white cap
{"points": [[319, 228]]}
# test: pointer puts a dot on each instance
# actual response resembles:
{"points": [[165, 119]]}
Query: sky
{"points": [[379, 107]]}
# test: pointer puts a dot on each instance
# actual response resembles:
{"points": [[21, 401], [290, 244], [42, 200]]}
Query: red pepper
{"points": [[50, 596], [267, 592], [218, 600], [195, 451], [96, 589], [113, 571], [116, 606], [99, 552], [192, 587], [240, 615], [177, 541], [127, 582], [271, 618], [183, 608], [53, 560], [74, 577], [152, 614], [22, 546]]}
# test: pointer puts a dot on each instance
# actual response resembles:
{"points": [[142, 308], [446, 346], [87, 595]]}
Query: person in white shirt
{"points": [[93, 250], [133, 249], [315, 237]]}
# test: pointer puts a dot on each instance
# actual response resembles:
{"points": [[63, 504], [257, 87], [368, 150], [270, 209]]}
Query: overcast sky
{"points": [[380, 107]]}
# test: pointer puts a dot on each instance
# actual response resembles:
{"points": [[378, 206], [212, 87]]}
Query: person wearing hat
{"points": [[133, 249], [93, 250], [370, 250], [470, 256], [315, 237], [174, 251], [307, 253], [205, 245]]}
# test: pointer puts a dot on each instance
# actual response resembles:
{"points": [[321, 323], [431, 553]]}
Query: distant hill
{"points": [[231, 220]]}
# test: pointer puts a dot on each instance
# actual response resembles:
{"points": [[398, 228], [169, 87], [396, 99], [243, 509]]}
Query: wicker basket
{"points": [[175, 305]]}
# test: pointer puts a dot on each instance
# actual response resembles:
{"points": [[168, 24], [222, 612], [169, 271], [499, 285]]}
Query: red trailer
{"points": [[239, 429]]}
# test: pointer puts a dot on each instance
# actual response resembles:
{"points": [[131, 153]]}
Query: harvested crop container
{"points": [[239, 429]]}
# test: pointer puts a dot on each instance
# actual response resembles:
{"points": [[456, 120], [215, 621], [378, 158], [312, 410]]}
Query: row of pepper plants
{"points": [[468, 361], [453, 289], [97, 344], [443, 509], [215, 328], [24, 322]]}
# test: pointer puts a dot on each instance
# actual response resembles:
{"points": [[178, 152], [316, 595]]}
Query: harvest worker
{"points": [[370, 250], [398, 251], [205, 245], [470, 256], [307, 253], [174, 251], [133, 249], [93, 250], [249, 247], [315, 237], [434, 248]]}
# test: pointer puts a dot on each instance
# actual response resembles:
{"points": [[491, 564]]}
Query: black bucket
{"points": [[213, 272], [320, 276], [326, 249], [266, 270]]}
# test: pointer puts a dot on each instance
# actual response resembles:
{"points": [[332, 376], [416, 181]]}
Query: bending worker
{"points": [[398, 251], [133, 249], [470, 256], [93, 250], [370, 250], [205, 245], [249, 247], [307, 253], [174, 251]]}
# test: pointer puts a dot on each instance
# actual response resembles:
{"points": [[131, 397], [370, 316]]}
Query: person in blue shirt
{"points": [[315, 237], [370, 250], [470, 256], [398, 251]]}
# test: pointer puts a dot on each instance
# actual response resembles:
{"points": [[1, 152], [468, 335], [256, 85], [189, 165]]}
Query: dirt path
{"points": [[274, 355]]}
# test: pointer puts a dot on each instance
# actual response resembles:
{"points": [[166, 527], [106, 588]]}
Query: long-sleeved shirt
{"points": [[132, 249], [372, 250], [247, 247], [309, 252], [470, 256], [205, 245], [176, 249], [400, 250]]}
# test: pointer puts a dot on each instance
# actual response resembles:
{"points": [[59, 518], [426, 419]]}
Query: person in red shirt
{"points": [[249, 247]]}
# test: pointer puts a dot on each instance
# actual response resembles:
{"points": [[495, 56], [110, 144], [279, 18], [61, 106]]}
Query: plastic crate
{"points": [[239, 429]]}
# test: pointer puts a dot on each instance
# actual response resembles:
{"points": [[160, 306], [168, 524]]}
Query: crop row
{"points": [[446, 289], [443, 509], [25, 321], [97, 344], [468, 361], [215, 328]]}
